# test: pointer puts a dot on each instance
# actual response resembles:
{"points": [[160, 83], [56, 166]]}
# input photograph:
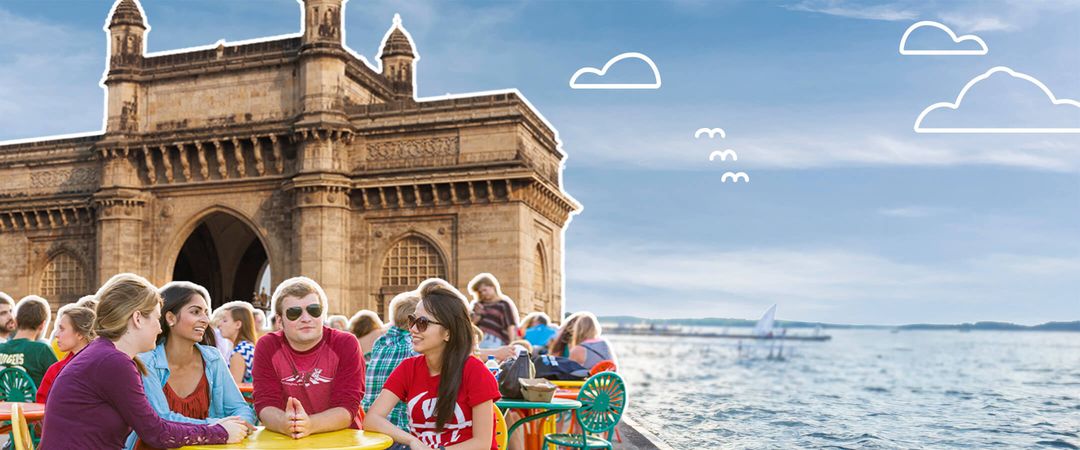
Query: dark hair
{"points": [[31, 313], [363, 323], [449, 308], [174, 296]]}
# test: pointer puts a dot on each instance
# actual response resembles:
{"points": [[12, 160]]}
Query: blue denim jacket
{"points": [[225, 397]]}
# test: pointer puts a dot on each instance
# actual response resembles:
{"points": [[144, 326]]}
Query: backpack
{"points": [[559, 368]]}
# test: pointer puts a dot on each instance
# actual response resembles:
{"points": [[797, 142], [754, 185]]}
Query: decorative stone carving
{"points": [[413, 153], [83, 177]]}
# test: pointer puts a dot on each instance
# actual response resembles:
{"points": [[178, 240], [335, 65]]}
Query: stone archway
{"points": [[224, 255]]}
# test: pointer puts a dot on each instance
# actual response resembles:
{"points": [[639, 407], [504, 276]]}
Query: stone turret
{"points": [[126, 29], [398, 57]]}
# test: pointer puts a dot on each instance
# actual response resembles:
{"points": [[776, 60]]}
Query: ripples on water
{"points": [[863, 389]]}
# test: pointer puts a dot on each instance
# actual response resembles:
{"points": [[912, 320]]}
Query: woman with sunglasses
{"points": [[187, 378], [308, 378], [448, 393]]}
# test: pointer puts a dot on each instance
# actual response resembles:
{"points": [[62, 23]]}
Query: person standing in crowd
{"points": [[586, 346], [98, 398], [7, 317], [448, 393], [260, 322], [308, 378], [24, 350], [367, 327], [74, 331], [187, 380], [494, 313], [388, 351], [237, 324]]}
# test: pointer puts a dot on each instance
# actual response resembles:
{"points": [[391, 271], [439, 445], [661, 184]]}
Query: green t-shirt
{"points": [[32, 356]]}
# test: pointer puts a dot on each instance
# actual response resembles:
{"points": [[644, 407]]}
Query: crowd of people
{"points": [[140, 367]]}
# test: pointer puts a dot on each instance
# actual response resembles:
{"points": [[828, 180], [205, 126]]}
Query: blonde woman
{"points": [[98, 398], [586, 346]]}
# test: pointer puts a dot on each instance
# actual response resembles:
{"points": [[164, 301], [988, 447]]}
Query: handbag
{"points": [[511, 371]]}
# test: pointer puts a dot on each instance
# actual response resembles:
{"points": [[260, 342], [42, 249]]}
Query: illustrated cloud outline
{"points": [[960, 98], [601, 72], [947, 30]]}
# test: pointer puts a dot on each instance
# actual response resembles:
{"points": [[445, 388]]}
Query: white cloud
{"points": [[811, 283], [607, 137], [1062, 115], [887, 11], [956, 47], [973, 23], [912, 212]]}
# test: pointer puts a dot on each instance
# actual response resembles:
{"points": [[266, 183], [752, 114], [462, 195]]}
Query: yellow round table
{"points": [[349, 439]]}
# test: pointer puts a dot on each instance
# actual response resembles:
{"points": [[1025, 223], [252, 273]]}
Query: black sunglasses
{"points": [[421, 323], [294, 312]]}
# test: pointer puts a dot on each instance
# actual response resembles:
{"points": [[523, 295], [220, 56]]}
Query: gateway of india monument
{"points": [[280, 157]]}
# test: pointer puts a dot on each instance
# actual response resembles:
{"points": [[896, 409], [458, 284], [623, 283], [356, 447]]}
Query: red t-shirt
{"points": [[50, 376], [329, 375], [414, 385]]}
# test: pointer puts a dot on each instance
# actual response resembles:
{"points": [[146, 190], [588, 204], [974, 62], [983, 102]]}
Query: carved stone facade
{"points": [[290, 155]]}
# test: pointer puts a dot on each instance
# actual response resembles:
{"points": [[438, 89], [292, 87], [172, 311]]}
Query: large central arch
{"points": [[223, 253]]}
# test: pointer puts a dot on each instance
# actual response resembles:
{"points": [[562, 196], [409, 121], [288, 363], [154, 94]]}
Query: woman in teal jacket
{"points": [[188, 381]]}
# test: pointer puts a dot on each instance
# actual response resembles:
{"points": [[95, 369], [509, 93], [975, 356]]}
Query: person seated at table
{"points": [[237, 324], [187, 380], [74, 331], [98, 398], [388, 351], [367, 327], [560, 344], [24, 350], [538, 331], [308, 378], [260, 323], [586, 346], [338, 322], [448, 393]]}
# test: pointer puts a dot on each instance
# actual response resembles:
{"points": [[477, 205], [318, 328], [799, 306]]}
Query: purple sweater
{"points": [[97, 400]]}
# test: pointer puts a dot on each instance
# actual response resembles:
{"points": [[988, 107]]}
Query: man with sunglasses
{"points": [[308, 378]]}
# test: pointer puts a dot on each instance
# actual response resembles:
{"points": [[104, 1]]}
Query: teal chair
{"points": [[603, 400], [16, 386]]}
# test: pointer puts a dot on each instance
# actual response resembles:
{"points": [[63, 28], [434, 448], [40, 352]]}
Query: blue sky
{"points": [[850, 216]]}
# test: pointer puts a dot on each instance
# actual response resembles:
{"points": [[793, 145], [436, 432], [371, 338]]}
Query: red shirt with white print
{"points": [[413, 384], [329, 375]]}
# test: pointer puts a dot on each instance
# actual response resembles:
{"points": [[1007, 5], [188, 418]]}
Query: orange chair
{"points": [[606, 365]]}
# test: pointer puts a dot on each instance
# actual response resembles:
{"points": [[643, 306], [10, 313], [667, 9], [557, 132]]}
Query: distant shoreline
{"points": [[1073, 326]]}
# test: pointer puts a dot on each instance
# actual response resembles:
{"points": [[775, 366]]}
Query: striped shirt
{"points": [[496, 318], [388, 351], [245, 349]]}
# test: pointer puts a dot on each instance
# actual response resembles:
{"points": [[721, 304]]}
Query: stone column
{"points": [[321, 233], [120, 215]]}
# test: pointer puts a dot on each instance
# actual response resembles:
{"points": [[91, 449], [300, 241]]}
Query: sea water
{"points": [[862, 389]]}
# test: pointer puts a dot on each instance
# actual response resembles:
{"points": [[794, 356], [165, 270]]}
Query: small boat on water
{"points": [[764, 329]]}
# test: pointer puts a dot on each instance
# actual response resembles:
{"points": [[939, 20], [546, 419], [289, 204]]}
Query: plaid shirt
{"points": [[387, 352]]}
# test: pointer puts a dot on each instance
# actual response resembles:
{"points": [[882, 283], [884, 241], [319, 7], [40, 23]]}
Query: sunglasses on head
{"points": [[294, 312], [421, 323]]}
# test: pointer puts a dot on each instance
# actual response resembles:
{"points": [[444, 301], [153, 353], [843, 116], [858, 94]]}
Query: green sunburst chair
{"points": [[603, 400]]}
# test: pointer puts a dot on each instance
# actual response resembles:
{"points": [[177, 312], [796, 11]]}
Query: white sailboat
{"points": [[764, 326]]}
